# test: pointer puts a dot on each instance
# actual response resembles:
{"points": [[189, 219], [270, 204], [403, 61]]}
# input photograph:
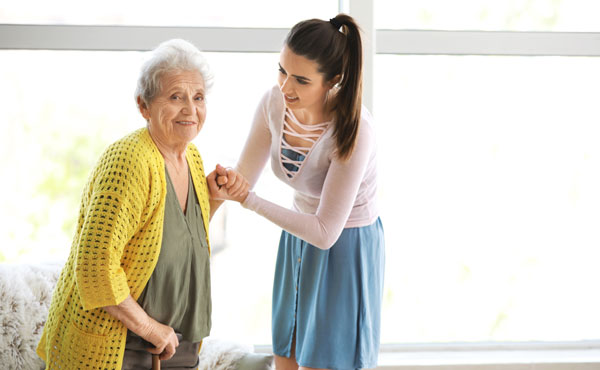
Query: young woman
{"points": [[320, 139]]}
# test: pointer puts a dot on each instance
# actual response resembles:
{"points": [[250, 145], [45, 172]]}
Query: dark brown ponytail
{"points": [[337, 48]]}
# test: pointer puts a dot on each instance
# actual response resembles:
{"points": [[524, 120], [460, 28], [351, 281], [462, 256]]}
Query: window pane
{"points": [[490, 195], [232, 13], [515, 15], [60, 109]]}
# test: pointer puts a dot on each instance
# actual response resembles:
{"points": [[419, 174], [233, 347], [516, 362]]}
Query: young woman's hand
{"points": [[227, 184]]}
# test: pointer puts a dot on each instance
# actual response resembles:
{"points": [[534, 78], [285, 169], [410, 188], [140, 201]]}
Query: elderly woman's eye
{"points": [[174, 97], [200, 98]]}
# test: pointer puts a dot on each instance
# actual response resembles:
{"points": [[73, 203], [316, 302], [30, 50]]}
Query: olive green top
{"points": [[178, 292]]}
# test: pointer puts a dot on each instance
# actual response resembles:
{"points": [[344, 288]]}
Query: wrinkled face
{"points": [[300, 81], [176, 115]]}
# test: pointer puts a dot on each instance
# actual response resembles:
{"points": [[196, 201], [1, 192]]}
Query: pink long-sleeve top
{"points": [[330, 194]]}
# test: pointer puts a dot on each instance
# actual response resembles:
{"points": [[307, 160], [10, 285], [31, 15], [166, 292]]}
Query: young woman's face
{"points": [[300, 82]]}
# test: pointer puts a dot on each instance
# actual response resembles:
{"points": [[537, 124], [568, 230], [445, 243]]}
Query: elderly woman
{"points": [[138, 272]]}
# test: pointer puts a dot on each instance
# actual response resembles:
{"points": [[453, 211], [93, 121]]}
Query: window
{"points": [[489, 176], [60, 110], [489, 15], [231, 13]]}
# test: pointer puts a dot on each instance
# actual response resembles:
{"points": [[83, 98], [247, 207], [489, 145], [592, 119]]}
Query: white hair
{"points": [[170, 56]]}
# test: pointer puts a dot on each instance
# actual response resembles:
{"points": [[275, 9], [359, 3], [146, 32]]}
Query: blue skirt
{"points": [[330, 298]]}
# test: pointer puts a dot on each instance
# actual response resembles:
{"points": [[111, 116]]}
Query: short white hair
{"points": [[170, 56]]}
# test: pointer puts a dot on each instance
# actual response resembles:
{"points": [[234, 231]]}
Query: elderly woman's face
{"points": [[177, 113]]}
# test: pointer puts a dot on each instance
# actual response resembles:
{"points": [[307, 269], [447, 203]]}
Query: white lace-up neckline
{"points": [[290, 165]]}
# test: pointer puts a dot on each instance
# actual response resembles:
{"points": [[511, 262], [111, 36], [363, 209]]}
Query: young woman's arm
{"points": [[340, 188], [337, 199]]}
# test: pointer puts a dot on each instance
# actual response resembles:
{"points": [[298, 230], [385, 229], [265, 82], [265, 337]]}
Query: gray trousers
{"points": [[137, 358]]}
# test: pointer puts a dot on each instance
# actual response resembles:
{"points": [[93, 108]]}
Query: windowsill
{"points": [[584, 355], [488, 356], [564, 359]]}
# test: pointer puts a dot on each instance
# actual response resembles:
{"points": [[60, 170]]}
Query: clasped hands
{"points": [[227, 184]]}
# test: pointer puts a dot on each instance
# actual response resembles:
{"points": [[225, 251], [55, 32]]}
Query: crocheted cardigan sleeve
{"points": [[111, 214]]}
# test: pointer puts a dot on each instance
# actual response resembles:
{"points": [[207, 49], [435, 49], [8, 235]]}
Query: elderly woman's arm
{"points": [[133, 316], [112, 216], [214, 205]]}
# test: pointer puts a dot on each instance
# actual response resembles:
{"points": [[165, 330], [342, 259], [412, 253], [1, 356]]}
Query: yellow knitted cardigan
{"points": [[114, 251]]}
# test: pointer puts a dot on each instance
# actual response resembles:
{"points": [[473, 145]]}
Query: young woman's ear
{"points": [[334, 81]]}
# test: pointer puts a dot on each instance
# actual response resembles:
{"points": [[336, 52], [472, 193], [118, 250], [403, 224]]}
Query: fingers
{"points": [[222, 180], [163, 338], [213, 188], [211, 181], [228, 177], [241, 186], [221, 175], [234, 180], [231, 178], [168, 349], [227, 184], [167, 353], [154, 351], [221, 171]]}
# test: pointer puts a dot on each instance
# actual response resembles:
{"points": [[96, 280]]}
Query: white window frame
{"points": [[581, 355]]}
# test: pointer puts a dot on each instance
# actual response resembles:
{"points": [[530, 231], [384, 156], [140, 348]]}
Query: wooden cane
{"points": [[155, 362]]}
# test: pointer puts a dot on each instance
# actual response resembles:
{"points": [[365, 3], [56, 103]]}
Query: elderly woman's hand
{"points": [[227, 184], [162, 337], [133, 316]]}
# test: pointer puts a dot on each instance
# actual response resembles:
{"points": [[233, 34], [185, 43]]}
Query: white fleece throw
{"points": [[25, 294]]}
